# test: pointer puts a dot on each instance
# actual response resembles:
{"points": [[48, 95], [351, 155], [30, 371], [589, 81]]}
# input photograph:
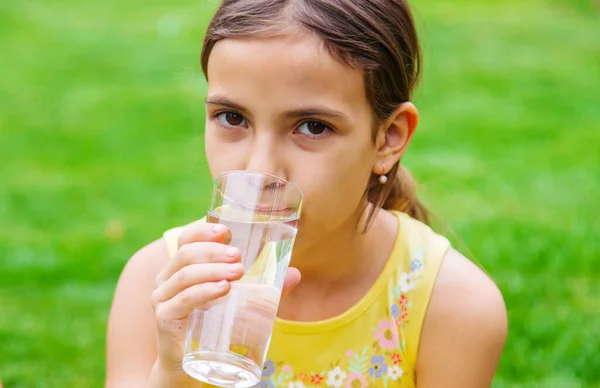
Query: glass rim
{"points": [[263, 174]]}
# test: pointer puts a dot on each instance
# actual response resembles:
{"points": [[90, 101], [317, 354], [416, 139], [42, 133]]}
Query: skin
{"points": [[303, 116]]}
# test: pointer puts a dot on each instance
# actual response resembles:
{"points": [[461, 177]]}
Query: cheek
{"points": [[334, 190], [222, 156], [211, 153]]}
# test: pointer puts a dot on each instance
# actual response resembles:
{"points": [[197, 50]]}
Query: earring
{"points": [[383, 178]]}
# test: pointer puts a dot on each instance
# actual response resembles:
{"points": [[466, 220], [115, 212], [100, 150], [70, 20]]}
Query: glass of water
{"points": [[227, 339]]}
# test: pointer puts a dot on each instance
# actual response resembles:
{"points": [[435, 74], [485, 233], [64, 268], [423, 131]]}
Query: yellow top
{"points": [[375, 342]]}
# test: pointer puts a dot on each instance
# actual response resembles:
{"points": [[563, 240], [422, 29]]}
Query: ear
{"points": [[394, 136]]}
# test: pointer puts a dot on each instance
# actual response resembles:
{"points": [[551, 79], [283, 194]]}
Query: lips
{"points": [[271, 211]]}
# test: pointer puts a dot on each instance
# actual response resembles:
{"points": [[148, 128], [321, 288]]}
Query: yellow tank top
{"points": [[375, 342]]}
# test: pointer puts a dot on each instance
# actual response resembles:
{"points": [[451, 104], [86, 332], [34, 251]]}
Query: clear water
{"points": [[222, 369], [228, 339]]}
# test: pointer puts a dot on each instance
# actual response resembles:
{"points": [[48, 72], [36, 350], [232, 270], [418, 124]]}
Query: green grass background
{"points": [[101, 118]]}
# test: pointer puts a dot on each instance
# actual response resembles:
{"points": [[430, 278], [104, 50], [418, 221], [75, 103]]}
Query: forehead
{"points": [[290, 69]]}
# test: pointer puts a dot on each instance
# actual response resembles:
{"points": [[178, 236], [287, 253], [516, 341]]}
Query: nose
{"points": [[265, 156]]}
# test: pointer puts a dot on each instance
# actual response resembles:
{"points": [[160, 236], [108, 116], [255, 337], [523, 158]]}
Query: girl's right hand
{"points": [[198, 273]]}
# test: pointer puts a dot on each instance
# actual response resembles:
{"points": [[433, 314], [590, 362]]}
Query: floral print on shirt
{"points": [[375, 364]]}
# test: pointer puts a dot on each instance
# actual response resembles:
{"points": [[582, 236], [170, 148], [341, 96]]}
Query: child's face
{"points": [[284, 106]]}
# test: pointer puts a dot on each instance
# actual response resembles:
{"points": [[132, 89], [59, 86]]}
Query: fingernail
{"points": [[236, 268], [222, 284], [218, 229], [231, 251]]}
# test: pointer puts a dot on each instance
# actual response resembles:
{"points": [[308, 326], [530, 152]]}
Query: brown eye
{"points": [[231, 119], [313, 128], [316, 128]]}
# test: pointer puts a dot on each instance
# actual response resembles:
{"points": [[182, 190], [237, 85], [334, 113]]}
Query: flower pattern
{"points": [[336, 377], [374, 365], [379, 367], [268, 368], [303, 376], [266, 384], [415, 264], [356, 380], [316, 379], [403, 301], [406, 282], [387, 334], [395, 372]]}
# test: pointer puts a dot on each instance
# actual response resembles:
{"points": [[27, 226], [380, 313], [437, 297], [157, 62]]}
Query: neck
{"points": [[346, 254], [340, 269]]}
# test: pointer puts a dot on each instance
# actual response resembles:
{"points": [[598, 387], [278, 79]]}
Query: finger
{"points": [[196, 274], [204, 231], [292, 278], [253, 321], [198, 253], [182, 305]]}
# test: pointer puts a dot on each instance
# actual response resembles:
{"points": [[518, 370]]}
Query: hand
{"points": [[198, 273]]}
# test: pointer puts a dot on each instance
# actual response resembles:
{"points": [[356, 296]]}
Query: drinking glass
{"points": [[227, 339]]}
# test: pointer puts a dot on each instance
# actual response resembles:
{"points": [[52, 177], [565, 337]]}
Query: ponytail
{"points": [[399, 193], [403, 196]]}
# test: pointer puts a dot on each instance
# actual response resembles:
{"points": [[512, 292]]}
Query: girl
{"points": [[318, 92]]}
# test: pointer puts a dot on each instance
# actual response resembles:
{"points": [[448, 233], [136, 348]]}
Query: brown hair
{"points": [[377, 36]]}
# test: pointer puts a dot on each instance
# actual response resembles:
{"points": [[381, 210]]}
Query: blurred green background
{"points": [[101, 118]]}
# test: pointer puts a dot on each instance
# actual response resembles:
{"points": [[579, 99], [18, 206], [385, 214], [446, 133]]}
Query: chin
{"points": [[301, 242]]}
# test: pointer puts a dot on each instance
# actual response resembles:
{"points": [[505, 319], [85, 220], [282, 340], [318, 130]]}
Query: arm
{"points": [[146, 328], [464, 330], [131, 338]]}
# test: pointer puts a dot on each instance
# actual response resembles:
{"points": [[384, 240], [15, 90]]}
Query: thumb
{"points": [[292, 278]]}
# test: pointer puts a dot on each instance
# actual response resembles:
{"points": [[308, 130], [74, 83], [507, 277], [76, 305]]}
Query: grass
{"points": [[101, 150]]}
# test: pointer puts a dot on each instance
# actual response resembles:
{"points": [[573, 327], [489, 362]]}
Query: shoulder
{"points": [[141, 269], [144, 266], [131, 345], [465, 326], [460, 284], [138, 278]]}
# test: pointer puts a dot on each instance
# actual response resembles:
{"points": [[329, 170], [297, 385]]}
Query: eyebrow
{"points": [[316, 111], [295, 113], [217, 100]]}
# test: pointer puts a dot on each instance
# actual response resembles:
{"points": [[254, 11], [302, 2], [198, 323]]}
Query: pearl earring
{"points": [[383, 178]]}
